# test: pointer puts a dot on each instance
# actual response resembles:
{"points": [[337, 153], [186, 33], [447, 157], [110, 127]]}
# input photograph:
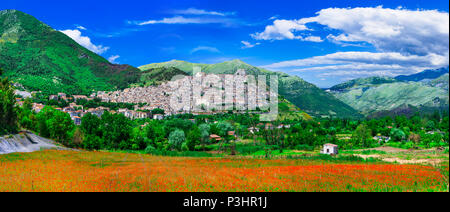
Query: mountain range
{"points": [[380, 95], [304, 95], [41, 58], [424, 75]]}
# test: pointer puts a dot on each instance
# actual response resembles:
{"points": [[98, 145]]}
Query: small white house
{"points": [[158, 116], [330, 149]]}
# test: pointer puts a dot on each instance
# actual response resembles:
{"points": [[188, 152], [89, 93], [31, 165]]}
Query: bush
{"points": [[149, 149], [184, 147], [205, 148], [177, 154], [304, 147], [248, 149]]}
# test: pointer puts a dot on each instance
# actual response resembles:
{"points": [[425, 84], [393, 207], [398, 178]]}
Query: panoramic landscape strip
{"points": [[326, 97], [56, 171]]}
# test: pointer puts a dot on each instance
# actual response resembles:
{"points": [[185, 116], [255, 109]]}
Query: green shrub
{"points": [[248, 149], [304, 147], [149, 149], [178, 154]]}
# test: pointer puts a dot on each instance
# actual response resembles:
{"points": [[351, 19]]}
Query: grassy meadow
{"points": [[81, 171]]}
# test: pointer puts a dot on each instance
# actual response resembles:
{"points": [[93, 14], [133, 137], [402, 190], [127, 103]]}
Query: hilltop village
{"points": [[153, 101]]}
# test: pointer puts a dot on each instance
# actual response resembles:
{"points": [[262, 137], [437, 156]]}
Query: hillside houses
{"points": [[37, 107], [154, 97], [133, 114], [160, 96]]}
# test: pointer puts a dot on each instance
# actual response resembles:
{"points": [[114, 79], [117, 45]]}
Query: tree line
{"points": [[186, 132]]}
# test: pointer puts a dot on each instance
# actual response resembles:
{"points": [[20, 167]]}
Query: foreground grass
{"points": [[105, 171]]}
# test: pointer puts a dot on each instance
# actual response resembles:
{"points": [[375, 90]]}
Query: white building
{"points": [[158, 116], [76, 120], [330, 149]]}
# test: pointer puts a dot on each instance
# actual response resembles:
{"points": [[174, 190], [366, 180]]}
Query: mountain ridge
{"points": [[307, 96], [386, 95], [424, 75], [42, 58]]}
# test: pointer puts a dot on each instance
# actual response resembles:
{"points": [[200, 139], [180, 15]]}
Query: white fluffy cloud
{"points": [[389, 30], [367, 58], [113, 58], [85, 41], [248, 45], [280, 30], [362, 64], [406, 41], [285, 29]]}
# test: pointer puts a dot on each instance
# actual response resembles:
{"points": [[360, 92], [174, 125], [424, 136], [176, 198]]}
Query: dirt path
{"points": [[432, 161], [395, 155]]}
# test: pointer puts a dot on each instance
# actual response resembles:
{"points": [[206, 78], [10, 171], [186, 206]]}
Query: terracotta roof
{"points": [[330, 145]]}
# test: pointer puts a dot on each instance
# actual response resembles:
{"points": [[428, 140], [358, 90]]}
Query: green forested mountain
{"points": [[156, 76], [304, 95], [376, 94], [362, 82], [41, 58]]}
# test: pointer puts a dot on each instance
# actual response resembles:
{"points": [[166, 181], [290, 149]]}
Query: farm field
{"points": [[55, 170]]}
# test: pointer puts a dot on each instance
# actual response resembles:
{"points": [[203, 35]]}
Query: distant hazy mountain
{"points": [[304, 95], [375, 94], [424, 75], [41, 58]]}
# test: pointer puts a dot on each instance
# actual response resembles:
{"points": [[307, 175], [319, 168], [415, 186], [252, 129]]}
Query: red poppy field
{"points": [[48, 171]]}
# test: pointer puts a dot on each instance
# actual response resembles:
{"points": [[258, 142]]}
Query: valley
{"points": [[73, 121]]}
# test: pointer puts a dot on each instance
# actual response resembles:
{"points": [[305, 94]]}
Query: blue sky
{"points": [[324, 42]]}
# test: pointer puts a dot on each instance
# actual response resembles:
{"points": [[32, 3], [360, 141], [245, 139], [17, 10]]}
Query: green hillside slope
{"points": [[363, 82], [369, 98], [304, 95], [41, 58], [156, 76], [441, 82]]}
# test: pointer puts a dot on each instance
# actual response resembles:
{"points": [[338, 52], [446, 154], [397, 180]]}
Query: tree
{"points": [[193, 138], [90, 124], [26, 115], [60, 125], [397, 135], [415, 138], [55, 124], [78, 137], [157, 111], [116, 130], [138, 140], [8, 113], [224, 127], [362, 135], [204, 134], [430, 125], [155, 134], [176, 138]]}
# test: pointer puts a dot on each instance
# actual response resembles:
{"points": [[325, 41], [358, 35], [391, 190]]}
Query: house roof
{"points": [[334, 145]]}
